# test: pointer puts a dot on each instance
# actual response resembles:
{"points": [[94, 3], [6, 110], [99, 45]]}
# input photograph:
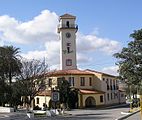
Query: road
{"points": [[77, 114]]}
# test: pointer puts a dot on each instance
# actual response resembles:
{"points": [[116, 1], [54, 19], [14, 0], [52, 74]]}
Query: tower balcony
{"points": [[70, 26]]}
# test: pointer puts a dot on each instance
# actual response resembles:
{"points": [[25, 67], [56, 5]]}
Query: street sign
{"points": [[55, 96]]}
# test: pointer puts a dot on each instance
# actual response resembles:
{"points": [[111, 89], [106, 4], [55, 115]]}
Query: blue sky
{"points": [[104, 28]]}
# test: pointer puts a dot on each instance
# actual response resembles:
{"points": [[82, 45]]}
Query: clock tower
{"points": [[67, 33]]}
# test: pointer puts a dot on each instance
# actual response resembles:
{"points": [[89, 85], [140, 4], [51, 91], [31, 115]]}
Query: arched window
{"points": [[67, 24]]}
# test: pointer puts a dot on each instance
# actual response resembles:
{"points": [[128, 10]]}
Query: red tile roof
{"points": [[88, 70], [69, 72], [84, 91]]}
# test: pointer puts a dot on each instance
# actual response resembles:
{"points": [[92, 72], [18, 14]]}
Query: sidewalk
{"points": [[134, 111]]}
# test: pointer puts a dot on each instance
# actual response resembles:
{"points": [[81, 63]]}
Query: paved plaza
{"points": [[77, 114]]}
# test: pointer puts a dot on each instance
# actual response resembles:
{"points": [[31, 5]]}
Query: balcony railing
{"points": [[72, 26]]}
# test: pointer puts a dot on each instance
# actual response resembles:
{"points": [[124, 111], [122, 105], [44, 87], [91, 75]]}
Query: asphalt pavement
{"points": [[110, 113]]}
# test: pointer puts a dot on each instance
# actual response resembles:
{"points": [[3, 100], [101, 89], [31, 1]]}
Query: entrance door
{"points": [[90, 102]]}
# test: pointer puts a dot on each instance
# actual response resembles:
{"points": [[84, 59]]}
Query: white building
{"points": [[67, 32]]}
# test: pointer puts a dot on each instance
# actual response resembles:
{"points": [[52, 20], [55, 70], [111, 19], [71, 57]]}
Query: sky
{"points": [[104, 29]]}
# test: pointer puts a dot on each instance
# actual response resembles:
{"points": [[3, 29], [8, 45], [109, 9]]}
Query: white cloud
{"points": [[42, 31], [42, 28], [51, 53], [1, 42], [83, 58], [111, 70], [35, 55], [93, 43]]}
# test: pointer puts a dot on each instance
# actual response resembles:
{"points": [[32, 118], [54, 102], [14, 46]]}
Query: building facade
{"points": [[94, 88]]}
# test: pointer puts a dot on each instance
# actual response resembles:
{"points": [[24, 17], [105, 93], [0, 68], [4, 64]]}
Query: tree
{"points": [[10, 63], [68, 95], [10, 66], [130, 60], [64, 88], [32, 79], [73, 98]]}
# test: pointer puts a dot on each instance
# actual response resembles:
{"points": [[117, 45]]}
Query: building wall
{"points": [[99, 82], [76, 81], [95, 96], [111, 94], [103, 81], [42, 99]]}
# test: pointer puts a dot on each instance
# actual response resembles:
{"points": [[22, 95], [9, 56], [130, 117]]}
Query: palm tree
{"points": [[10, 62], [9, 67]]}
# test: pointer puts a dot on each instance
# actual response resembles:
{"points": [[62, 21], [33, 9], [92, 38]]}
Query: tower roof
{"points": [[67, 16]]}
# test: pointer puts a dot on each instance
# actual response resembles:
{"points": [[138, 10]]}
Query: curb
{"points": [[124, 117]]}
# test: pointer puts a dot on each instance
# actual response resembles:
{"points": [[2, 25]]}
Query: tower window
{"points": [[69, 62], [67, 24]]}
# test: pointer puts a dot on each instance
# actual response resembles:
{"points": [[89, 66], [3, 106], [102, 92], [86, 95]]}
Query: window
{"points": [[101, 98], [59, 80], [82, 81], [37, 100], [50, 82], [114, 95], [113, 82], [90, 81], [108, 96], [111, 87], [67, 24], [114, 87], [122, 95], [71, 81], [107, 82], [111, 96], [107, 87], [68, 62]]}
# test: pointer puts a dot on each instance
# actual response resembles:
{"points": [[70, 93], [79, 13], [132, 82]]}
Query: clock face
{"points": [[68, 35]]}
